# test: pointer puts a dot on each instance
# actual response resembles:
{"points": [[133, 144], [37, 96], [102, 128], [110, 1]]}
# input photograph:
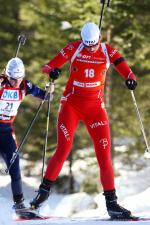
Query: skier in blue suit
{"points": [[13, 88]]}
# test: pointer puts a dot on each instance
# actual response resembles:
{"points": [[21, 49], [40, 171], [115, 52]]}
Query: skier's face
{"points": [[92, 48], [14, 82]]}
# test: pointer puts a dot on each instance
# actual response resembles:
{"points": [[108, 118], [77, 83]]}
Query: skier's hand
{"points": [[131, 84], [49, 91], [55, 73], [50, 87]]}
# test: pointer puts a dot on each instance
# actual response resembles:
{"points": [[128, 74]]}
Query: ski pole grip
{"points": [[102, 1], [22, 39], [50, 87]]}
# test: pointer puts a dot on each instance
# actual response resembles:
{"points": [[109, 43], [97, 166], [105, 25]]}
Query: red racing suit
{"points": [[83, 100]]}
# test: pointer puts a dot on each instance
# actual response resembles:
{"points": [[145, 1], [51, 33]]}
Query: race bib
{"points": [[9, 102]]}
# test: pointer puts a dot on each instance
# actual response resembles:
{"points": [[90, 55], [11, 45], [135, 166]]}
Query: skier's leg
{"points": [[98, 127], [67, 123], [9, 147]]}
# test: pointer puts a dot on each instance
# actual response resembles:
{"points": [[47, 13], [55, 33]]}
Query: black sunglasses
{"points": [[87, 46]]}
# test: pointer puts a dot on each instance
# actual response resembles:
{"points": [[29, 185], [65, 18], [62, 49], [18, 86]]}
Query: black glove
{"points": [[131, 84], [55, 73]]}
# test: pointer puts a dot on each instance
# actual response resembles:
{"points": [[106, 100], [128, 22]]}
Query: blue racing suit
{"points": [[10, 99]]}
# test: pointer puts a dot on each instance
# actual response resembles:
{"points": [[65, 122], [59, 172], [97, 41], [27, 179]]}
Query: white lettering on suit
{"points": [[65, 131], [104, 142], [88, 85], [99, 123], [113, 53]]}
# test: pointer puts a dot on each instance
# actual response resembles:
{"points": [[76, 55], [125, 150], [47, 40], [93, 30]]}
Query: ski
{"points": [[132, 218], [129, 219], [28, 214]]}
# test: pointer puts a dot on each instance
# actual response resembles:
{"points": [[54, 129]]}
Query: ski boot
{"points": [[115, 211], [18, 203], [43, 194]]}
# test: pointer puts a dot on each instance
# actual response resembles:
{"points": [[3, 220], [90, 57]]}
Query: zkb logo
{"points": [[10, 95]]}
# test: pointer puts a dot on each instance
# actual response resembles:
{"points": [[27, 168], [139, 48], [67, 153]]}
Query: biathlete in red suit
{"points": [[12, 91], [83, 100]]}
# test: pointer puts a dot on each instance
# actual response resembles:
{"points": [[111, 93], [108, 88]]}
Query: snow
{"points": [[133, 191], [81, 208]]}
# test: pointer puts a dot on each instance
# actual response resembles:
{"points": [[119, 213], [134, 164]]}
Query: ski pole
{"points": [[15, 154], [50, 90], [140, 121], [21, 41], [102, 11]]}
